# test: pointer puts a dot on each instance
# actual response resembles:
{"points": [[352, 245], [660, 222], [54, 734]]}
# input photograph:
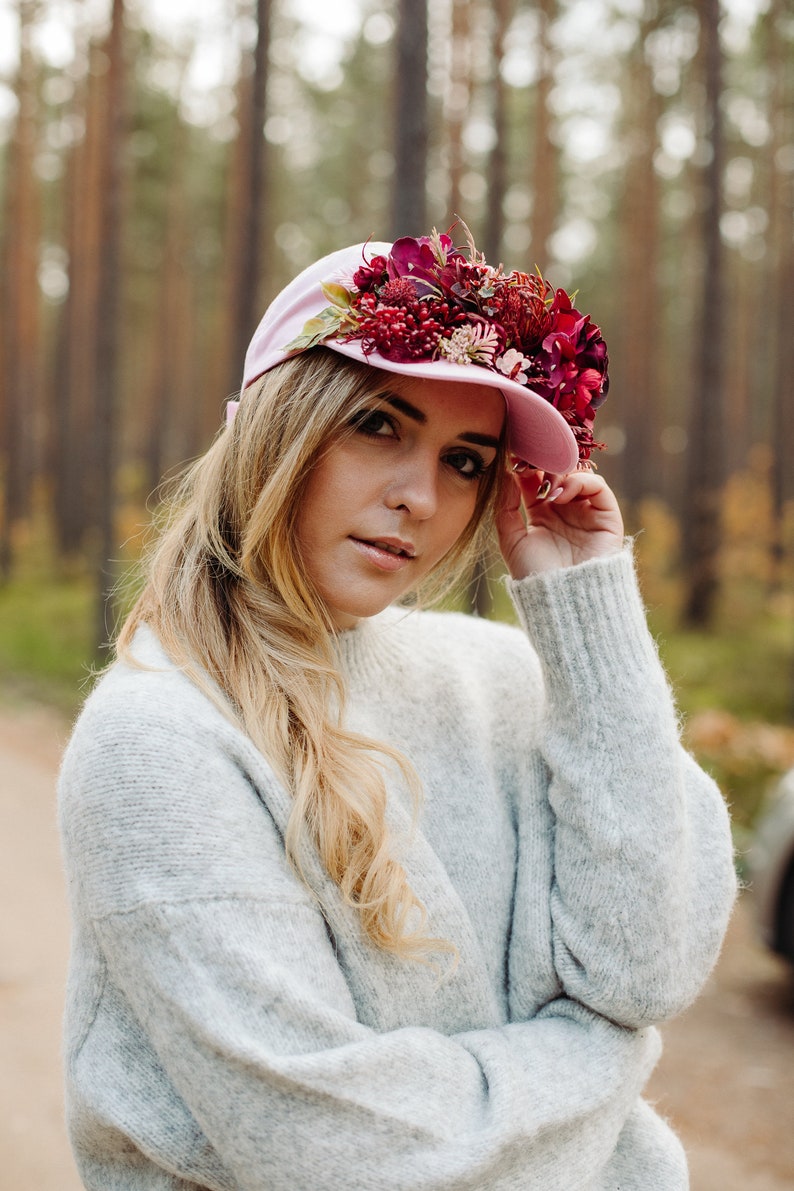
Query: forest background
{"points": [[166, 168]]}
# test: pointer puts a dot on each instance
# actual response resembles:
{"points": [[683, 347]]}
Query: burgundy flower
{"points": [[593, 356], [398, 292], [575, 362], [520, 307], [368, 276], [417, 259]]}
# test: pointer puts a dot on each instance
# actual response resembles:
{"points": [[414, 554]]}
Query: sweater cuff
{"points": [[587, 624]]}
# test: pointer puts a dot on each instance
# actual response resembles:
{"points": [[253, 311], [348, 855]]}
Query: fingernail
{"points": [[520, 466], [544, 490], [557, 492]]}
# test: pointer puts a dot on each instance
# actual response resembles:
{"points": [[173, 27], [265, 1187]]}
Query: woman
{"points": [[372, 897]]}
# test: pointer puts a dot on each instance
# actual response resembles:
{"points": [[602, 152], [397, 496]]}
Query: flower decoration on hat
{"points": [[428, 300]]}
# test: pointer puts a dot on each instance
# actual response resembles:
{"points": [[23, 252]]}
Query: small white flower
{"points": [[513, 364], [470, 345]]}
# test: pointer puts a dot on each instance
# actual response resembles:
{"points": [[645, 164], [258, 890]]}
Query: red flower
{"points": [[521, 309], [399, 292], [368, 276], [575, 362], [420, 261]]}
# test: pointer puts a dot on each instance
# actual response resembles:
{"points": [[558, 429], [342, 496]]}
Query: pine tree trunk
{"points": [[459, 98], [250, 216], [702, 524], [109, 326], [501, 12], [21, 321], [74, 399], [410, 120], [780, 285], [168, 429], [640, 239], [544, 181]]}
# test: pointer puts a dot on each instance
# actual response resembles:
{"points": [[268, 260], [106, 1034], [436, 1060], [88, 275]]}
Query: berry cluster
{"points": [[403, 330]]}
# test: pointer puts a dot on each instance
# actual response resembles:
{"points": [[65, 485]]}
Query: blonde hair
{"points": [[228, 596]]}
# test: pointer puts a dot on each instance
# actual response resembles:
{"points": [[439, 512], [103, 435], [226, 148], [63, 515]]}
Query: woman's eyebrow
{"points": [[405, 407], [481, 440], [410, 411]]}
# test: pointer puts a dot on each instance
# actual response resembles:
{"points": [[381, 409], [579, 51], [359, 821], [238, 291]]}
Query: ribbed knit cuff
{"points": [[587, 623]]}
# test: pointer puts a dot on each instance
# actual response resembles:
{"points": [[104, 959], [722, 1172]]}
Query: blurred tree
{"points": [[638, 266], [780, 256], [496, 174], [458, 100], [544, 167], [73, 388], [173, 334], [21, 328], [246, 217], [410, 120], [108, 331], [701, 528]]}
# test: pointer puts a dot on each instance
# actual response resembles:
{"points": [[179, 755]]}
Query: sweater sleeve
{"points": [[222, 967], [643, 876], [241, 1005]]}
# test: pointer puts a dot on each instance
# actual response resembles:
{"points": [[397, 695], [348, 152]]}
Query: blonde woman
{"points": [[367, 895]]}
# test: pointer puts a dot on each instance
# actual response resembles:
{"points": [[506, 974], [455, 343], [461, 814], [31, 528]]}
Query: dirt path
{"points": [[726, 1079], [33, 952]]}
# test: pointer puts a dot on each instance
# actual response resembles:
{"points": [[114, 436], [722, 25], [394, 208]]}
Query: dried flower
{"points": [[474, 343]]}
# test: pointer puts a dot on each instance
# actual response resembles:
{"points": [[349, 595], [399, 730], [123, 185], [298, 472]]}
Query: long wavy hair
{"points": [[229, 598]]}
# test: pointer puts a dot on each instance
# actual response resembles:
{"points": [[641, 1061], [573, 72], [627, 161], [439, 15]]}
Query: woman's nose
{"points": [[414, 488]]}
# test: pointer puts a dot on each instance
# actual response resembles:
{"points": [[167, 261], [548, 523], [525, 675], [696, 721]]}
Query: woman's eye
{"points": [[374, 422], [468, 464]]}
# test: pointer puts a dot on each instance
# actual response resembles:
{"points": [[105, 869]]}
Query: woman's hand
{"points": [[569, 519]]}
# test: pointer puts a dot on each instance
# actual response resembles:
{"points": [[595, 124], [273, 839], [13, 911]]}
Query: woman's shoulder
{"points": [[147, 682], [142, 701], [161, 795]]}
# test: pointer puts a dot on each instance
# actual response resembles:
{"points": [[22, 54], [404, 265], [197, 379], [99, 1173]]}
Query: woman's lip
{"points": [[375, 551]]}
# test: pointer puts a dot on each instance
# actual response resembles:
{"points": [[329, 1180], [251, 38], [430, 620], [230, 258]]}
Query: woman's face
{"points": [[384, 505]]}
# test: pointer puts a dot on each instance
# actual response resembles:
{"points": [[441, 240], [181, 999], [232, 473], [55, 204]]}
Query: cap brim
{"points": [[537, 432]]}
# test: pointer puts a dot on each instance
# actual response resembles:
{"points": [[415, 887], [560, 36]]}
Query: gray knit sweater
{"points": [[222, 1032]]}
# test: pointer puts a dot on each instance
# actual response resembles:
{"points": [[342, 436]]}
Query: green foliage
{"points": [[735, 686], [744, 668], [45, 640]]}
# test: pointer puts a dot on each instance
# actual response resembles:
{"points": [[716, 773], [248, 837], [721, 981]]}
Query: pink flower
{"points": [[513, 364]]}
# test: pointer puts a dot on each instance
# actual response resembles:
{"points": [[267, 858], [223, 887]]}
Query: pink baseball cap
{"points": [[537, 432]]}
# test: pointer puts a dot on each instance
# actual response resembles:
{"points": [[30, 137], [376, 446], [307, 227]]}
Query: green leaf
{"points": [[322, 326], [337, 294]]}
